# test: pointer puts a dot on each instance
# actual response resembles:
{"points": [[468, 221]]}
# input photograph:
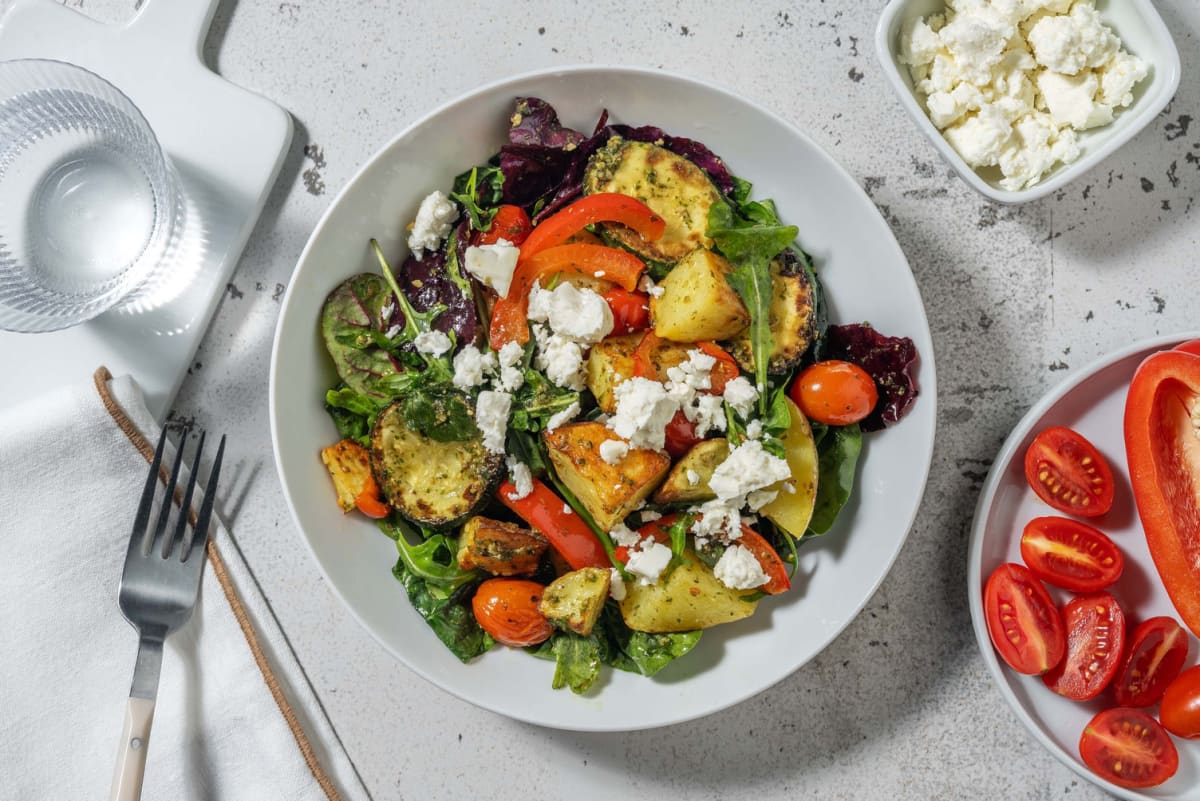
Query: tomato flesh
{"points": [[630, 310], [1070, 554], [1156, 653], [1067, 472], [1022, 620], [768, 559], [1095, 627], [1180, 712], [507, 609], [834, 392], [680, 435], [1163, 450], [1129, 748]]}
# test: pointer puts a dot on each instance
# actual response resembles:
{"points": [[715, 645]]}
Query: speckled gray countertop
{"points": [[900, 705]]}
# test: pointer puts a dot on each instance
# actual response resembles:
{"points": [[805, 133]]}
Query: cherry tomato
{"points": [[1191, 346], [1095, 627], [725, 369], [1023, 621], [368, 501], [1180, 712], [511, 224], [630, 310], [1129, 748], [680, 435], [1164, 469], [1070, 554], [768, 559], [836, 393], [507, 609], [1156, 653], [1067, 472]]}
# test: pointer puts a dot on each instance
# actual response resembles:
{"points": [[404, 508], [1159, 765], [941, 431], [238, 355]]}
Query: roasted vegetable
{"points": [[501, 548], [612, 360], [701, 460], [697, 302], [792, 511], [690, 597], [608, 492], [678, 190], [429, 482], [575, 600], [349, 466], [793, 319]]}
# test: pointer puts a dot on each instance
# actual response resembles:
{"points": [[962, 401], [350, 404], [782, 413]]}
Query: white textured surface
{"points": [[900, 706]]}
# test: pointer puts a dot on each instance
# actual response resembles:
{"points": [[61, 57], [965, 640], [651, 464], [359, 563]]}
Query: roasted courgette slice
{"points": [[679, 191], [793, 319], [432, 483]]}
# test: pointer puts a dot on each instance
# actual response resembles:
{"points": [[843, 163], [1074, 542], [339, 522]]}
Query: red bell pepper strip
{"points": [[602, 207], [1163, 450], [509, 323], [724, 371], [566, 531]]}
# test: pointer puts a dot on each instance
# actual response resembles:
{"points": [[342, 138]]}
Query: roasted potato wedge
{"points": [[702, 460], [574, 601], [500, 548], [791, 511], [688, 598], [349, 466], [610, 362], [697, 303], [608, 492]]}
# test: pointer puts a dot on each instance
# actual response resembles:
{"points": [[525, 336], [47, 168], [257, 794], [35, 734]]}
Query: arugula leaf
{"points": [[453, 270], [577, 660], [415, 322], [480, 191], [838, 448], [538, 400], [353, 413], [432, 560], [678, 533], [750, 244]]}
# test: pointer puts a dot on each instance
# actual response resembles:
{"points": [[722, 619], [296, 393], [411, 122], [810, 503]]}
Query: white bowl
{"points": [[866, 278], [1093, 403], [1142, 33]]}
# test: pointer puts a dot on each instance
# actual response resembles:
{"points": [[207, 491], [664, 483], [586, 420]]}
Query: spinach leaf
{"points": [[640, 652], [750, 244], [440, 413], [448, 615], [352, 412], [837, 460], [431, 561], [577, 660], [351, 324]]}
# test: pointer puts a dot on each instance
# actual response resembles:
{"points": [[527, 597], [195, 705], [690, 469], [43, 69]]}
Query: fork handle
{"points": [[131, 758]]}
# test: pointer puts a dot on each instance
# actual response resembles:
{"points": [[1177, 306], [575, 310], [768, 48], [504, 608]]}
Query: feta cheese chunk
{"points": [[561, 359], [565, 416], [493, 264], [1068, 43], [644, 408], [738, 569], [434, 218], [1118, 77], [748, 467], [616, 585], [580, 315], [648, 561], [522, 479], [491, 418], [432, 343], [470, 366], [741, 396], [612, 451], [511, 376]]}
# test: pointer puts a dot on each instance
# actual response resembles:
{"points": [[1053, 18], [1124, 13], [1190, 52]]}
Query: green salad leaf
{"points": [[838, 448], [480, 192]]}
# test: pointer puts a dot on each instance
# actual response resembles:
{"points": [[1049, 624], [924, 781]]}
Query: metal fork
{"points": [[158, 591]]}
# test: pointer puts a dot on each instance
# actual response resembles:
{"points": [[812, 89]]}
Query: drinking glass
{"points": [[89, 204]]}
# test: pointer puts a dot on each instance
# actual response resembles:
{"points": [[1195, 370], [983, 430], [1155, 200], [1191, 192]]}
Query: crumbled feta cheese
{"points": [[644, 408], [470, 366], [432, 225], [432, 343], [493, 264], [616, 585], [648, 561], [491, 418], [612, 451], [754, 429], [559, 358], [1118, 77], [717, 519], [511, 376], [741, 396], [647, 285], [1072, 42], [580, 315], [693, 478], [622, 534], [567, 510], [706, 413], [760, 498], [393, 332], [1070, 100], [747, 468], [521, 478], [565, 416], [738, 569], [649, 516]]}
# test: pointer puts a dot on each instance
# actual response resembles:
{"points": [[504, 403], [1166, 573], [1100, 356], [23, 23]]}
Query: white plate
{"points": [[1093, 403], [866, 278]]}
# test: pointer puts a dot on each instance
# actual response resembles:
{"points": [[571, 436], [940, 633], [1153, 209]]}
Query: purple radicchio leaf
{"points": [[535, 122], [891, 361]]}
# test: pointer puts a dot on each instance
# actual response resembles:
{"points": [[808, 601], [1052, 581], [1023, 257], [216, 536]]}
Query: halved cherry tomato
{"points": [[1023, 621], [768, 559], [725, 370], [511, 224], [1180, 712], [680, 435], [368, 501], [1070, 554], [601, 207], [1164, 467], [509, 323], [1156, 653], [1095, 626], [1129, 748], [834, 392], [648, 362], [507, 609], [566, 531], [630, 310], [1067, 472]]}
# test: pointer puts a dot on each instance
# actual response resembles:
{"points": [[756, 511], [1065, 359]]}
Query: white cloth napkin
{"points": [[70, 481]]}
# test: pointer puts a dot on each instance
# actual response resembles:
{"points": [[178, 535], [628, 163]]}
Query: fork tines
{"points": [[152, 538]]}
